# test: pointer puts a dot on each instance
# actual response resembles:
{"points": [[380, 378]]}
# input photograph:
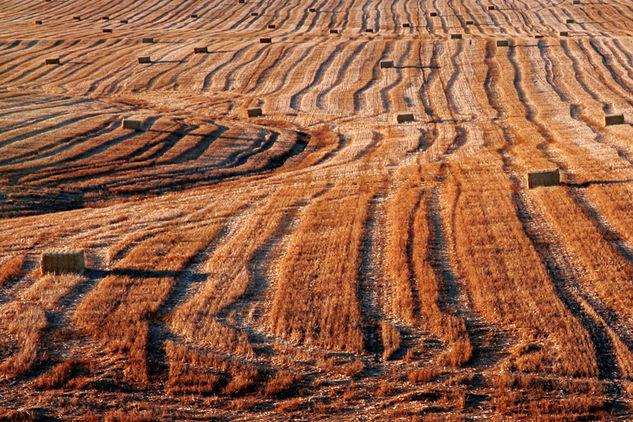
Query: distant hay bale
{"points": [[77, 18], [543, 178], [613, 119], [576, 2], [200, 50], [456, 36], [38, 22], [312, 10], [108, 30], [369, 30], [406, 25], [272, 26], [194, 16], [148, 40], [265, 40], [570, 21], [144, 59], [433, 14], [386, 64], [491, 7], [563, 33], [123, 21], [333, 31], [470, 22], [254, 14], [503, 43], [105, 18], [52, 61], [253, 112], [61, 262], [241, 1], [538, 36], [133, 124], [404, 117]]}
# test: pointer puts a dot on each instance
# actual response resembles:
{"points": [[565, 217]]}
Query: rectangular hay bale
{"points": [[144, 59], [456, 36], [404, 117], [543, 178], [265, 40], [148, 40], [123, 21], [570, 21], [272, 26], [491, 7], [386, 64], [406, 25], [77, 18], [254, 112], [470, 22], [503, 43], [563, 33], [52, 61], [133, 124], [38, 22], [613, 119], [312, 10], [200, 50], [433, 14], [61, 262], [333, 31], [105, 18], [193, 16], [108, 30]]}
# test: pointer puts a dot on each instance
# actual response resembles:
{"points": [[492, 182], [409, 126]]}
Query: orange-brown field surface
{"points": [[321, 261]]}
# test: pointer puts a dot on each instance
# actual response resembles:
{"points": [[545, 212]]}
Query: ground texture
{"points": [[320, 261]]}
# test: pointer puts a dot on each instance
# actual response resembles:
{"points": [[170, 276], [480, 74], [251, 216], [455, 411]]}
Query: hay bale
{"points": [[576, 2], [333, 31], [144, 59], [543, 178], [148, 40], [38, 22], [77, 18], [133, 124], [312, 10], [404, 117], [470, 22], [570, 21], [52, 61], [254, 14], [241, 1], [563, 33], [503, 43], [194, 16], [108, 30], [613, 119], [105, 18], [200, 50], [253, 112], [369, 30], [538, 36], [60, 262], [433, 14], [265, 40], [456, 36], [272, 26], [386, 64], [123, 21], [492, 8]]}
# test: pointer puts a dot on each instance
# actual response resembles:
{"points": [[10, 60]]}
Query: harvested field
{"points": [[317, 210]]}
